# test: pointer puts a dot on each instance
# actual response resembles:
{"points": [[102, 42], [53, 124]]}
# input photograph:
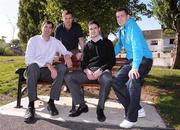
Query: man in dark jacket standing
{"points": [[97, 62], [70, 34]]}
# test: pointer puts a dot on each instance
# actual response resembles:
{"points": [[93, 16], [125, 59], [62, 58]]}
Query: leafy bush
{"points": [[8, 52], [5, 50]]}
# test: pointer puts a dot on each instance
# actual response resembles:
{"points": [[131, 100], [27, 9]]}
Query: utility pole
{"points": [[13, 27]]}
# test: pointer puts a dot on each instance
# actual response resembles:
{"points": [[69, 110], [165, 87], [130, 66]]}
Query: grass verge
{"points": [[8, 78], [165, 85]]}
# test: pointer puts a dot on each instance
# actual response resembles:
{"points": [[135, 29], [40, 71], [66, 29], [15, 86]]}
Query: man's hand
{"points": [[133, 73], [56, 59], [68, 61], [78, 55], [97, 73], [52, 70], [89, 74]]}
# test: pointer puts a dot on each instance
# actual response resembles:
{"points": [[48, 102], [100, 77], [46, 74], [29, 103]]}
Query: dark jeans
{"points": [[35, 74], [128, 90]]}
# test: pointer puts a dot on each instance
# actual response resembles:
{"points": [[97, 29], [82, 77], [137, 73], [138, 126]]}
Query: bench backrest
{"points": [[77, 63]]}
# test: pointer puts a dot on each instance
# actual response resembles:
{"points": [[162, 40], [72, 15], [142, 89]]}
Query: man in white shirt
{"points": [[39, 56]]}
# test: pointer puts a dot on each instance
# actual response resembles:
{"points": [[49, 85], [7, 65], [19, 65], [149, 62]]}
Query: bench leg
{"points": [[19, 92], [18, 105]]}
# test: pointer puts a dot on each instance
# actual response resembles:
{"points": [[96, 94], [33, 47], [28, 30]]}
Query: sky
{"points": [[9, 16]]}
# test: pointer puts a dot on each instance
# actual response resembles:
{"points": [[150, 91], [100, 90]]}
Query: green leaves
{"points": [[101, 10], [33, 12], [162, 11]]}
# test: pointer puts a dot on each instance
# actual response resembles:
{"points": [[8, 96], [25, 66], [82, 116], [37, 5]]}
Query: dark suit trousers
{"points": [[35, 74], [75, 79]]}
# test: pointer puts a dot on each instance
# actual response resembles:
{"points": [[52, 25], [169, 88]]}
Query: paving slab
{"points": [[113, 110]]}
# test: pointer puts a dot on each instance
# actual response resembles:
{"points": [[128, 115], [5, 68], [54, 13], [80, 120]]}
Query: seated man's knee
{"points": [[106, 77], [32, 67], [133, 82], [68, 77], [117, 82], [61, 68]]}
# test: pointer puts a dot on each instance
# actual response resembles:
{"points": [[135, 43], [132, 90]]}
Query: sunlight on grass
{"points": [[163, 77], [8, 78], [169, 107], [164, 82]]}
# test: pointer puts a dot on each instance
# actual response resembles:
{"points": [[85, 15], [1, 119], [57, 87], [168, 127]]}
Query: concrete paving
{"points": [[114, 113]]}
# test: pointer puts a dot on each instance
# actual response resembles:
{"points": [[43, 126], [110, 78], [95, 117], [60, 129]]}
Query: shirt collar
{"points": [[98, 38], [44, 39]]}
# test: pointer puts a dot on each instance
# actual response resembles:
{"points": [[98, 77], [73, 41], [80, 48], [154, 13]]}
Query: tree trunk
{"points": [[176, 55]]}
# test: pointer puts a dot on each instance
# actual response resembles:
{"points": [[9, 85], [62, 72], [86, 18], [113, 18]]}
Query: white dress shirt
{"points": [[42, 52]]}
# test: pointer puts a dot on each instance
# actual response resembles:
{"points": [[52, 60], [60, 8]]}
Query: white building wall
{"points": [[160, 58], [155, 48], [167, 46]]}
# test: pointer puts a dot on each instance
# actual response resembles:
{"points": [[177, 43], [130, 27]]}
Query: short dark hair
{"points": [[47, 22], [123, 9], [67, 12], [93, 22]]}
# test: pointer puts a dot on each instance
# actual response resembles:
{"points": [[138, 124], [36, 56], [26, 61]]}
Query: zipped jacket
{"points": [[132, 40]]}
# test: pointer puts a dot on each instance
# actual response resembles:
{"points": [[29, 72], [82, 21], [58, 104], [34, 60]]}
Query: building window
{"points": [[154, 42], [171, 41]]}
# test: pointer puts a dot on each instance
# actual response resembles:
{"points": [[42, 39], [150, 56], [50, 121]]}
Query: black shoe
{"points": [[73, 109], [52, 109], [79, 111], [100, 115], [29, 115]]}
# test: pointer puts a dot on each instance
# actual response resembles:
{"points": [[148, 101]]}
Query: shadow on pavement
{"points": [[17, 123]]}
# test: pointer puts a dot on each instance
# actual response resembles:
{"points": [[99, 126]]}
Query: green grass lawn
{"points": [[8, 78], [165, 84], [162, 83]]}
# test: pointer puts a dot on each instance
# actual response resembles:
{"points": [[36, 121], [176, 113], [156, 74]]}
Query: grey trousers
{"points": [[76, 78], [35, 74]]}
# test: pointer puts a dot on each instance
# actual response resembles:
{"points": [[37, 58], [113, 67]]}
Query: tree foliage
{"points": [[5, 49], [101, 10], [31, 13], [168, 14], [161, 11]]}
